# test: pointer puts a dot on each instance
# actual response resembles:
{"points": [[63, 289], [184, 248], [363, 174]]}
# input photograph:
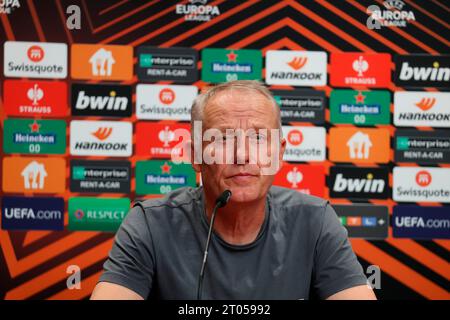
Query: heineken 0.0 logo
{"points": [[32, 136], [160, 177], [360, 107]]}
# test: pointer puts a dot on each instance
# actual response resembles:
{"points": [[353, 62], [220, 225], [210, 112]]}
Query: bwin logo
{"points": [[434, 73], [370, 184], [111, 102]]}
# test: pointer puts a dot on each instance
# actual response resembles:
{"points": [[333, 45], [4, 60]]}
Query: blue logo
{"points": [[21, 213], [421, 222]]}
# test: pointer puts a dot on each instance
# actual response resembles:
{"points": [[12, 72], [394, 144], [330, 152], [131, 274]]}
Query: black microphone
{"points": [[221, 201]]}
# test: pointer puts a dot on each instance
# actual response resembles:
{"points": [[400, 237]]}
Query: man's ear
{"points": [[195, 166], [282, 149]]}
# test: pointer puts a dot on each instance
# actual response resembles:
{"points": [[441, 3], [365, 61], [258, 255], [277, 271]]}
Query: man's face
{"points": [[244, 110]]}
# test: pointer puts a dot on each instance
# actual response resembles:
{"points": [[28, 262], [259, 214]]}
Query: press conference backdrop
{"points": [[92, 92]]}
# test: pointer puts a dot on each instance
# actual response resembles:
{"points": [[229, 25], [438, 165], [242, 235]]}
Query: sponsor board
{"points": [[34, 213], [164, 102], [25, 98], [359, 183], [421, 222], [301, 105], [100, 176], [101, 100], [421, 184], [360, 107], [101, 62], [422, 70], [422, 109], [422, 146], [352, 69], [359, 145], [167, 64], [101, 138], [97, 214], [31, 136], [34, 175], [158, 140], [222, 65], [304, 143], [365, 221], [296, 68], [161, 176], [305, 178], [35, 59]]}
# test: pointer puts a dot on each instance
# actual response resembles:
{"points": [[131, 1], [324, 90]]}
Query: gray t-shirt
{"points": [[302, 251]]}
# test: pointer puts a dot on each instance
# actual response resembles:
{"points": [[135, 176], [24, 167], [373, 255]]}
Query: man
{"points": [[268, 242]]}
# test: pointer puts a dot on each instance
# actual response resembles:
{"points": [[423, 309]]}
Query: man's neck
{"points": [[238, 223]]}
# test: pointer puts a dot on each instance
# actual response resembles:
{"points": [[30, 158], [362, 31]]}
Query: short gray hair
{"points": [[202, 99]]}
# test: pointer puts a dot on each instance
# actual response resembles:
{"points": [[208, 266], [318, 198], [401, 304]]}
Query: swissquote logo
{"points": [[101, 138], [421, 184], [360, 69], [169, 102], [35, 98], [101, 100], [422, 70], [297, 68], [417, 108], [304, 143], [35, 59], [363, 183]]}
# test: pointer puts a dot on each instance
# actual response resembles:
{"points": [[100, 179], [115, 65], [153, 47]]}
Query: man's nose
{"points": [[242, 149]]}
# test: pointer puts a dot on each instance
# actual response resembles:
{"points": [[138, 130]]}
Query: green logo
{"points": [[145, 60], [222, 65], [97, 214], [402, 143], [78, 173], [360, 107], [163, 176], [278, 100], [34, 136]]}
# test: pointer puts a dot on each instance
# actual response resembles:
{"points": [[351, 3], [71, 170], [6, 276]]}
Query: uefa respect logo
{"points": [[259, 147]]}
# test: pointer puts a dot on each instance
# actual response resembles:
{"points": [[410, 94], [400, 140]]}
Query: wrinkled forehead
{"points": [[240, 107]]}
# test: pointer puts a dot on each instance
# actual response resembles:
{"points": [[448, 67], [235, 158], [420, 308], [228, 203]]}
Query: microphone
{"points": [[221, 201]]}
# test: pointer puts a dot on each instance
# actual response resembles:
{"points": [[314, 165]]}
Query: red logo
{"points": [[35, 98], [423, 178], [426, 103], [35, 53], [353, 69], [295, 137], [309, 179], [102, 133], [159, 140], [297, 63], [166, 96]]}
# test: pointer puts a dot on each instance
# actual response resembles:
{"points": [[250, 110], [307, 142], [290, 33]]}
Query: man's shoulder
{"points": [[286, 197], [175, 199]]}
